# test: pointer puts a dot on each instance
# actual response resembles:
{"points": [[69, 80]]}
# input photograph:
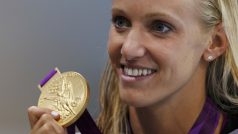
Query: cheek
{"points": [[172, 57], [185, 61], [162, 55], [114, 47]]}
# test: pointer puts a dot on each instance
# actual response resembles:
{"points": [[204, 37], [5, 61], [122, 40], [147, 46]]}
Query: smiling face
{"points": [[156, 47]]}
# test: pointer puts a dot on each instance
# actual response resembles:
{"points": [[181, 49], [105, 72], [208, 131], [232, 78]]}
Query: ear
{"points": [[217, 44]]}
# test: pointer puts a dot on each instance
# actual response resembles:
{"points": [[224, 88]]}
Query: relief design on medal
{"points": [[67, 94], [62, 97]]}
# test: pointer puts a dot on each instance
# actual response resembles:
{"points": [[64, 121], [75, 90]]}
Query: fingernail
{"points": [[54, 113]]}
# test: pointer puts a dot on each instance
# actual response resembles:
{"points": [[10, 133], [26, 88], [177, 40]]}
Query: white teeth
{"points": [[140, 71], [149, 71], [144, 71], [137, 72], [129, 71]]}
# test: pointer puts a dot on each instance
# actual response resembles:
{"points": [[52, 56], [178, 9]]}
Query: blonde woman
{"points": [[173, 69]]}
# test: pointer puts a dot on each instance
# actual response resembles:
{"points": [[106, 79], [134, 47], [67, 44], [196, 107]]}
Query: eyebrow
{"points": [[152, 15], [149, 15], [117, 10]]}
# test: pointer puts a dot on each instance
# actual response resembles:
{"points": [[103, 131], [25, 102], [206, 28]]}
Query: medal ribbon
{"points": [[48, 77], [208, 119], [85, 123]]}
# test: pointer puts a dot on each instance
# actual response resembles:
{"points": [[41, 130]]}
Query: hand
{"points": [[44, 121]]}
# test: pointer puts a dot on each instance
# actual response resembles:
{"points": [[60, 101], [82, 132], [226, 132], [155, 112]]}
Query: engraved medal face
{"points": [[66, 93]]}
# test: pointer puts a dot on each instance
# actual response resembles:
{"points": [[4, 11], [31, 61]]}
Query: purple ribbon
{"points": [[208, 119], [48, 77], [85, 124]]}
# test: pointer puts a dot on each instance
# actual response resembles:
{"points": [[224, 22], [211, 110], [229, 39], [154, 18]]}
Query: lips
{"points": [[137, 71]]}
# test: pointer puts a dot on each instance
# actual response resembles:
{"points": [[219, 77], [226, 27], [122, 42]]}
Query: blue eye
{"points": [[160, 27], [121, 22]]}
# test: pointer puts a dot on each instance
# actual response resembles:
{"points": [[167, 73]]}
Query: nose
{"points": [[133, 46]]}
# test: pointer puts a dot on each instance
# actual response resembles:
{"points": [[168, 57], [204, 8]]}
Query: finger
{"points": [[59, 129], [50, 129], [47, 119], [65, 131], [47, 124], [46, 129], [34, 114], [55, 115], [43, 123]]}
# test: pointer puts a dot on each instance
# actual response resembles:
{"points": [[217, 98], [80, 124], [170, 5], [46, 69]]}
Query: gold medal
{"points": [[66, 93]]}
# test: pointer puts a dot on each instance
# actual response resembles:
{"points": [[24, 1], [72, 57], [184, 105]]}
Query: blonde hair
{"points": [[113, 116], [222, 74]]}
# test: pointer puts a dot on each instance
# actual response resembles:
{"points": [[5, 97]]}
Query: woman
{"points": [[173, 69]]}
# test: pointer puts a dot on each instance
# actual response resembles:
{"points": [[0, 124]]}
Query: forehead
{"points": [[142, 7]]}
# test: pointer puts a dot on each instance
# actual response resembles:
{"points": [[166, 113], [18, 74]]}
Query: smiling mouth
{"points": [[137, 72]]}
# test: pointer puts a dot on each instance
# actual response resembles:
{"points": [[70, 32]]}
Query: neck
{"points": [[167, 119]]}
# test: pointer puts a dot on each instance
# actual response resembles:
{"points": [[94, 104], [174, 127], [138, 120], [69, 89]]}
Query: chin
{"points": [[132, 102], [134, 99], [141, 98]]}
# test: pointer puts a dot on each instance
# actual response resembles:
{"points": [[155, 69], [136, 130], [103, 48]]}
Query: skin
{"points": [[166, 36], [42, 121]]}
